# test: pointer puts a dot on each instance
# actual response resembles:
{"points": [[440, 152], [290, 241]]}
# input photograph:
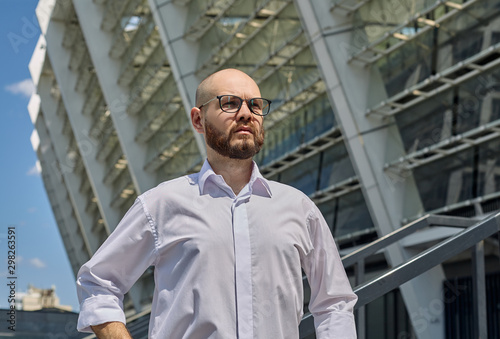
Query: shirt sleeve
{"points": [[332, 299], [115, 267]]}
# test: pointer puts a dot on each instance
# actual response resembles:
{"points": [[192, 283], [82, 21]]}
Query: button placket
{"points": [[243, 267]]}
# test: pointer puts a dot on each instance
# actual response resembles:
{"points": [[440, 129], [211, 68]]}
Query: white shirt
{"points": [[225, 266]]}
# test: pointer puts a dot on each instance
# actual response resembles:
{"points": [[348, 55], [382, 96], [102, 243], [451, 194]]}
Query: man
{"points": [[226, 244]]}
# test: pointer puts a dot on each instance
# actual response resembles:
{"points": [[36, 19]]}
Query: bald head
{"points": [[207, 89]]}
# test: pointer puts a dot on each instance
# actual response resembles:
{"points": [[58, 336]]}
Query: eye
{"points": [[257, 104], [230, 102]]}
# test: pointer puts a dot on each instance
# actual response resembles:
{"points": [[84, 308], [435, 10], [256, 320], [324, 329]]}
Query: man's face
{"points": [[237, 135]]}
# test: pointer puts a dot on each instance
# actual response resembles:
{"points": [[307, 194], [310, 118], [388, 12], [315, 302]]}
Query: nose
{"points": [[244, 112]]}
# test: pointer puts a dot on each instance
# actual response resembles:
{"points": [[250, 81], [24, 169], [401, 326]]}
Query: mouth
{"points": [[244, 130]]}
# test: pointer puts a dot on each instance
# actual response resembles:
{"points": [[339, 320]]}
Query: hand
{"points": [[111, 330]]}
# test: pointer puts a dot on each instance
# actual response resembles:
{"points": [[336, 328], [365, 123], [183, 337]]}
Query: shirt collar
{"points": [[257, 184]]}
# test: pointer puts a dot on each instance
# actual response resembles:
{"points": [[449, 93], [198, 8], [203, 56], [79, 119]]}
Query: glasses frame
{"points": [[241, 103]]}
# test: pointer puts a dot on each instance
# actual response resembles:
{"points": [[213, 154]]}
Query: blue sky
{"points": [[41, 258]]}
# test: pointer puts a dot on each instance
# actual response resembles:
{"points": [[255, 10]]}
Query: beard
{"points": [[249, 145]]}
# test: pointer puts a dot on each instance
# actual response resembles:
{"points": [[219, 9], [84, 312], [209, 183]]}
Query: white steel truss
{"points": [[348, 6], [379, 48], [206, 19], [240, 37], [447, 147], [482, 62]]}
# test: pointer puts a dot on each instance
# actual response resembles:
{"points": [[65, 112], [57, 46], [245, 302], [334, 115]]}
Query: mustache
{"points": [[247, 126]]}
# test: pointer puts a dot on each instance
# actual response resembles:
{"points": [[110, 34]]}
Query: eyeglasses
{"points": [[232, 104]]}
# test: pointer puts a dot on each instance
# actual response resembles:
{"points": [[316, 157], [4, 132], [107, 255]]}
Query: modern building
{"points": [[383, 111]]}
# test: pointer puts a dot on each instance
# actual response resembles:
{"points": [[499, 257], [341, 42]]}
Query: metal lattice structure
{"points": [[382, 112]]}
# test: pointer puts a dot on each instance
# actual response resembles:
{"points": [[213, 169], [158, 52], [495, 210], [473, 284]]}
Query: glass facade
{"points": [[427, 72]]}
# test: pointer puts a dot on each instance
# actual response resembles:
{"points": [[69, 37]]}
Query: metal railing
{"points": [[470, 238]]}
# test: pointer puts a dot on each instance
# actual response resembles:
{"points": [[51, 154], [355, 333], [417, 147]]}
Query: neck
{"points": [[236, 172]]}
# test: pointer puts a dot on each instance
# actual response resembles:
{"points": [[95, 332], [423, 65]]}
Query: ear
{"points": [[197, 120]]}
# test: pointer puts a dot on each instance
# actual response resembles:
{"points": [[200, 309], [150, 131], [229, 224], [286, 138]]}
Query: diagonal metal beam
{"points": [[424, 261]]}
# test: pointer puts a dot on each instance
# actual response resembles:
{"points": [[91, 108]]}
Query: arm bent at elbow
{"points": [[111, 330]]}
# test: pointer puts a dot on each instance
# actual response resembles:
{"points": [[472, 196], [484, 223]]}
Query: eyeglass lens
{"points": [[232, 103]]}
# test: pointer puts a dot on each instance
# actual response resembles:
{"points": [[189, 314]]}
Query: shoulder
{"points": [[295, 199], [280, 188], [296, 203], [292, 195], [171, 187], [169, 195]]}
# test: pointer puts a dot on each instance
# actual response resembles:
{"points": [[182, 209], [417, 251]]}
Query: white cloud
{"points": [[35, 170], [24, 87], [37, 263]]}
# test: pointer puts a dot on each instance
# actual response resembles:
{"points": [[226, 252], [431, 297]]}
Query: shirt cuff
{"points": [[99, 310], [335, 325]]}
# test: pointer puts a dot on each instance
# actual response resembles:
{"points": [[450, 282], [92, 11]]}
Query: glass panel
{"points": [[336, 166], [303, 176], [446, 181], [386, 317], [246, 33], [426, 124], [379, 17], [347, 214], [472, 104], [477, 101], [289, 81], [408, 66], [302, 126], [489, 168], [437, 47]]}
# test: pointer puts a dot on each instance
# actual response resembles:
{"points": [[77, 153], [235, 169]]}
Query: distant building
{"points": [[38, 314], [36, 299]]}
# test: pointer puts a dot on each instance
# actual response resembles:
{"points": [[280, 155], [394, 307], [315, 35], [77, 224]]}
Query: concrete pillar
{"points": [[107, 69], [60, 142], [182, 54], [81, 125], [58, 196], [371, 143]]}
